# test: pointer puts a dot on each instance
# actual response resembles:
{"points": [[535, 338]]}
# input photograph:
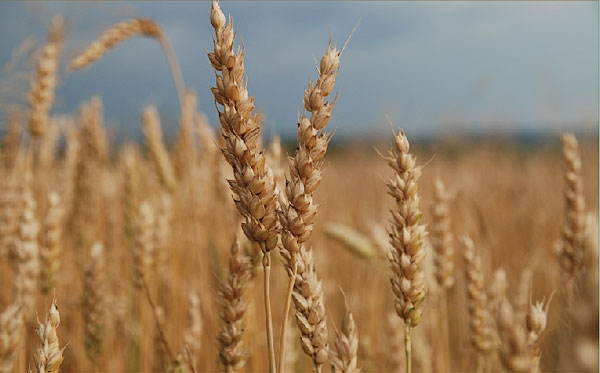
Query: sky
{"points": [[432, 67]]}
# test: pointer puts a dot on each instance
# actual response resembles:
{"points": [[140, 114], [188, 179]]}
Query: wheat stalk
{"points": [[185, 147], [298, 211], [143, 255], [120, 32], [253, 183], [42, 90], [406, 238]]}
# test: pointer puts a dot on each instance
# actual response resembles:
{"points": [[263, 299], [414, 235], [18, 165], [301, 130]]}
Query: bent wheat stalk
{"points": [[128, 29]]}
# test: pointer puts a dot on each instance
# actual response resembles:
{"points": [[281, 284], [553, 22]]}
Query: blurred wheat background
{"points": [[131, 253]]}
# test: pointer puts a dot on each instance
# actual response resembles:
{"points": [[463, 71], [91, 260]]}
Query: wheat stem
{"points": [[286, 312], [269, 317], [408, 348]]}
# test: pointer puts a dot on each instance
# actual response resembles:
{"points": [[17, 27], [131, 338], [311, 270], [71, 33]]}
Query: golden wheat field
{"points": [[225, 250]]}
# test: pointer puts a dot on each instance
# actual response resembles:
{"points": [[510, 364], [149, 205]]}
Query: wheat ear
{"points": [[51, 242], [443, 259], [144, 247], [42, 91], [352, 240], [232, 308], [125, 30], [253, 184], [11, 331], [27, 252], [480, 322], [93, 149], [344, 357], [520, 350], [192, 337], [570, 249], [406, 238], [536, 321], [93, 303], [441, 237], [298, 211], [160, 156], [49, 354]]}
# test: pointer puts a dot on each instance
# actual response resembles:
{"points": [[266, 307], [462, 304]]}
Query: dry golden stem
{"points": [[157, 319], [408, 348], [185, 149]]}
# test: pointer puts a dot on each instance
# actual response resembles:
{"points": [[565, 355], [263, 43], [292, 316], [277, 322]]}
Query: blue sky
{"points": [[432, 67]]}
